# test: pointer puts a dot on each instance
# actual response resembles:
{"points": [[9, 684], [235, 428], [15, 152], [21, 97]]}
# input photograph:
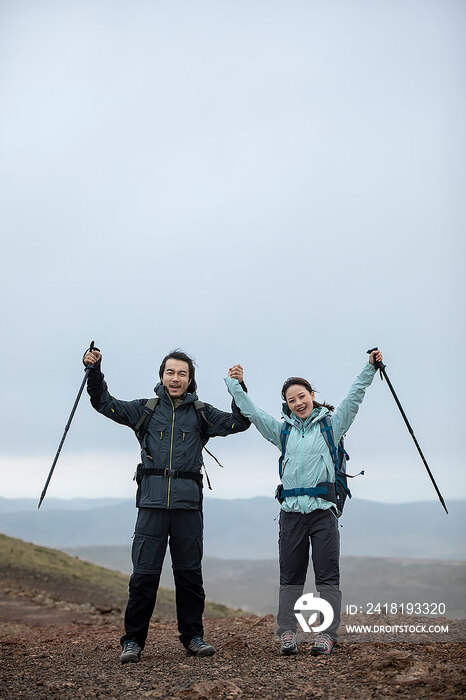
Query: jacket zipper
{"points": [[171, 450], [302, 457]]}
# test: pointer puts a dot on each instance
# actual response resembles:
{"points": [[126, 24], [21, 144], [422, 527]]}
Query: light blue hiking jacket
{"points": [[307, 459]]}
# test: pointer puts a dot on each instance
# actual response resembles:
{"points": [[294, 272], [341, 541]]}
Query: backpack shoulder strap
{"points": [[286, 428], [149, 408], [152, 403], [327, 433], [203, 422], [200, 411]]}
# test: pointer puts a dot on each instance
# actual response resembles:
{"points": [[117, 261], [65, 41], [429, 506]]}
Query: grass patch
{"points": [[67, 578]]}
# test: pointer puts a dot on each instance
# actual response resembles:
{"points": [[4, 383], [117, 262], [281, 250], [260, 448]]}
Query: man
{"points": [[169, 496]]}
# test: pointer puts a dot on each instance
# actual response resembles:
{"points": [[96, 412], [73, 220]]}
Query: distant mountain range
{"points": [[392, 553], [253, 585], [244, 529]]}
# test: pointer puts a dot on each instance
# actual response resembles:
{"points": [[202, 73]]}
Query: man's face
{"points": [[176, 377]]}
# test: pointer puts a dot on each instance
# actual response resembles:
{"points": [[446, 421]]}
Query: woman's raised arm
{"points": [[267, 425]]}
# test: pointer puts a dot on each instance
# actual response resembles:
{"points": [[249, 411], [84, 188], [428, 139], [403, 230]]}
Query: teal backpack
{"points": [[335, 491]]}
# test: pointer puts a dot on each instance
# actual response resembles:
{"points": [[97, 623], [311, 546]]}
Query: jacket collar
{"points": [[316, 415], [164, 396]]}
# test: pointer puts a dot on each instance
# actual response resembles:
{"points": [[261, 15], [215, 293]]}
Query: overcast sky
{"points": [[279, 184]]}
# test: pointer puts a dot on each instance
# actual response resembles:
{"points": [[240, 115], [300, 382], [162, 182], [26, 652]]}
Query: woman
{"points": [[306, 518]]}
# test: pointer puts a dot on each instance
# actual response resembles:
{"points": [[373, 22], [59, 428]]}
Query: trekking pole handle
{"points": [[377, 364], [90, 349]]}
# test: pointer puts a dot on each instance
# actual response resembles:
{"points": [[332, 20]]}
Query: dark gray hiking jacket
{"points": [[173, 440]]}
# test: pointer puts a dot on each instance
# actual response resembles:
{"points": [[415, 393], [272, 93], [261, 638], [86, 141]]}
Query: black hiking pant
{"points": [[183, 530], [297, 530]]}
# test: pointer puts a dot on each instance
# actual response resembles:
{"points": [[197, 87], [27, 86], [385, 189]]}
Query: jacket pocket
{"points": [[158, 442], [185, 493], [327, 467], [153, 492], [188, 447]]}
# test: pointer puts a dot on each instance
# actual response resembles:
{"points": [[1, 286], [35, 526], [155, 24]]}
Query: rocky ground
{"points": [[53, 649]]}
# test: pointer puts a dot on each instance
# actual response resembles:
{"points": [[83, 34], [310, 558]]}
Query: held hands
{"points": [[375, 356], [236, 372]]}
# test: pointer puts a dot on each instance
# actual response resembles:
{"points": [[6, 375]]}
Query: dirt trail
{"points": [[63, 650]]}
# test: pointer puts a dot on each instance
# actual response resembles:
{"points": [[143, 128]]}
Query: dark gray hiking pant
{"points": [[155, 527], [297, 531]]}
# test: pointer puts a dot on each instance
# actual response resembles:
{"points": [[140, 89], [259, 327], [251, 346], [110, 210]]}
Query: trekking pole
{"points": [[86, 372], [380, 366]]}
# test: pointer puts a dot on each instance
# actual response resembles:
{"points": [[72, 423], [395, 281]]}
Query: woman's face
{"points": [[299, 400]]}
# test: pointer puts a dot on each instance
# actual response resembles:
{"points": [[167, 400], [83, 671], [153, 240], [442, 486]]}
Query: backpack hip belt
{"points": [[167, 473], [325, 490]]}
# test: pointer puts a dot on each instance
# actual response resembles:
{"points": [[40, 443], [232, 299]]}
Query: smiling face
{"points": [[299, 400], [176, 378]]}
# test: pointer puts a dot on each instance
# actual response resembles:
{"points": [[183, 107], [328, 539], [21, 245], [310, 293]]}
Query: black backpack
{"points": [[143, 423]]}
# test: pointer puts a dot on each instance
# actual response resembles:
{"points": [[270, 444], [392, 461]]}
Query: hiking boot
{"points": [[197, 647], [289, 642], [323, 644], [131, 652]]}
